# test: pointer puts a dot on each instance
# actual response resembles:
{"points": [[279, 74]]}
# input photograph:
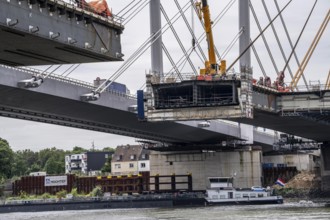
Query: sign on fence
{"points": [[56, 180]]}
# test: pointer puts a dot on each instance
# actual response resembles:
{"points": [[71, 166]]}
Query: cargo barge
{"points": [[142, 201]]}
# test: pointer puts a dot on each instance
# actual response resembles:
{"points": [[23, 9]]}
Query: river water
{"points": [[287, 211]]}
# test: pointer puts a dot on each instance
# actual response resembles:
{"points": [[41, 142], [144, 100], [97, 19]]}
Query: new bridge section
{"points": [[305, 114], [57, 101], [41, 32]]}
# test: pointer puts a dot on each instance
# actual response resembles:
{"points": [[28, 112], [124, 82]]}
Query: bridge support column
{"points": [[156, 47], [325, 167]]}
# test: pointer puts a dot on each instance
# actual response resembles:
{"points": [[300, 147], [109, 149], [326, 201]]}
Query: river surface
{"points": [[287, 211]]}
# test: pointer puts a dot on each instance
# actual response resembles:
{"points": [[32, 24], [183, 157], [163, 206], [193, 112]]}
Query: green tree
{"points": [[109, 149], [6, 159], [78, 150], [107, 166], [54, 166]]}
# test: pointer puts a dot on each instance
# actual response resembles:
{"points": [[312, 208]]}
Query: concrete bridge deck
{"points": [[57, 101]]}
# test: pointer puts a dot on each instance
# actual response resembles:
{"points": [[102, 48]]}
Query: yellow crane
{"points": [[211, 66], [301, 68], [327, 84]]}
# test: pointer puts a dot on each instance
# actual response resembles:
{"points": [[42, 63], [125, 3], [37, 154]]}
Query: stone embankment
{"points": [[304, 185]]}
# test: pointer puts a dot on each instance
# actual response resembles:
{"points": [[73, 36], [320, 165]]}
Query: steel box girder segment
{"points": [[195, 100], [196, 94], [57, 33]]}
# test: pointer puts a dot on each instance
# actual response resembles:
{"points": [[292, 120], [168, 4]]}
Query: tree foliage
{"points": [[6, 159], [50, 160]]}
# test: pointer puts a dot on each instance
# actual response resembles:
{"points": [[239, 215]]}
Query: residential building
{"points": [[130, 159], [89, 163]]}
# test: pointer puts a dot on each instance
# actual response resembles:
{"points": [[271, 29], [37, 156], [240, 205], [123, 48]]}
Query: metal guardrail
{"points": [[72, 81], [72, 4]]}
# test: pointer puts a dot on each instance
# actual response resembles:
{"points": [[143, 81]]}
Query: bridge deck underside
{"points": [[54, 32], [30, 105], [315, 128], [21, 49]]}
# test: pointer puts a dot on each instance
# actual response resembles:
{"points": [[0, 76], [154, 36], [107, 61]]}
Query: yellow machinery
{"points": [[327, 84], [301, 68], [211, 66]]}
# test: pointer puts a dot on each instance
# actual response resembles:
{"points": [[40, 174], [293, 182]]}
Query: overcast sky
{"points": [[23, 134]]}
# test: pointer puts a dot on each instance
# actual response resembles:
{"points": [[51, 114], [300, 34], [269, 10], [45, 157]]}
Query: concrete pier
{"points": [[246, 164], [325, 167]]}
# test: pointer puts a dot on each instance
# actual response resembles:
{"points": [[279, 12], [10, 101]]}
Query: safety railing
{"points": [[82, 5], [72, 81]]}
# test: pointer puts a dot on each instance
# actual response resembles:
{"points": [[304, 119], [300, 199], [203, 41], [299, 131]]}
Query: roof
{"points": [[129, 153]]}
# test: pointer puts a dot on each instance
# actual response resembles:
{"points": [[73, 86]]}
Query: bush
{"points": [[61, 194], [23, 195], [97, 192], [46, 196], [74, 192]]}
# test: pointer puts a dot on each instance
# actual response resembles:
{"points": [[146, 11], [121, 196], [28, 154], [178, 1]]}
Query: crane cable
{"points": [[252, 42], [136, 54]]}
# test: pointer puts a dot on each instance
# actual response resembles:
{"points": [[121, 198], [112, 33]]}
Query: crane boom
{"points": [[211, 66]]}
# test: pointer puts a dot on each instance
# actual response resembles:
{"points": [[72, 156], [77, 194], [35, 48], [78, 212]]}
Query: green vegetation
{"points": [[97, 192], [23, 162]]}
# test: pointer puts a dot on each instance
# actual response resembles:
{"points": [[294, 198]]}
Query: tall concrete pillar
{"points": [[244, 40], [156, 47], [325, 167]]}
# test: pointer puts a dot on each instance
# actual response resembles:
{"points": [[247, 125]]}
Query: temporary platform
{"points": [[40, 32]]}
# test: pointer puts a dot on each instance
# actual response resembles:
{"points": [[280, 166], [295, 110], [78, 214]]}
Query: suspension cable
{"points": [[67, 69], [136, 12], [252, 42], [290, 41], [230, 46], [310, 51], [50, 73], [130, 8], [171, 61], [258, 60], [302, 31], [73, 70], [263, 37], [190, 29], [137, 53], [217, 19], [129, 4], [178, 40]]}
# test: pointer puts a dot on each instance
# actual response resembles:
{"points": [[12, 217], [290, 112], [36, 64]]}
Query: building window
{"points": [[133, 157], [106, 155], [119, 157], [117, 166], [143, 165], [78, 157], [131, 165]]}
